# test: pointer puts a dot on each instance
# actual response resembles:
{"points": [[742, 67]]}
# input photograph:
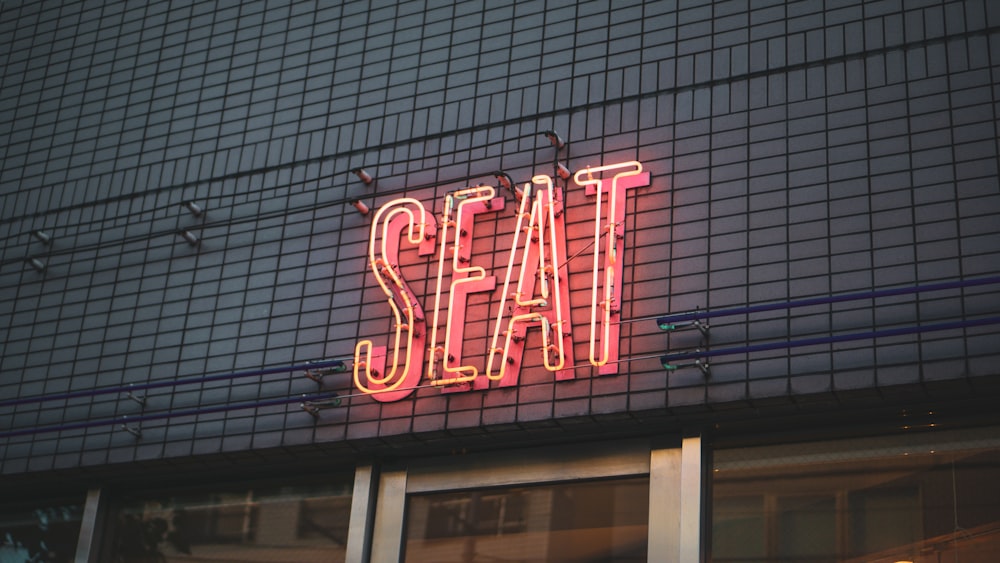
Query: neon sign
{"points": [[537, 297]]}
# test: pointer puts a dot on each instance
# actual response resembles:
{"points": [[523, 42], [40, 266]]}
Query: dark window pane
{"points": [[738, 529], [883, 499], [278, 524], [807, 527], [42, 531], [562, 523]]}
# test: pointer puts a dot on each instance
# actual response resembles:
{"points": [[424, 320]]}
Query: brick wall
{"points": [[797, 150]]}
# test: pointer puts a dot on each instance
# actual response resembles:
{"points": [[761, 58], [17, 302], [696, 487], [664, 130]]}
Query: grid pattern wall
{"points": [[797, 149]]}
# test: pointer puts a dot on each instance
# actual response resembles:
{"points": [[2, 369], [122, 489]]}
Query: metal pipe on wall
{"points": [[665, 359], [132, 387], [671, 319]]}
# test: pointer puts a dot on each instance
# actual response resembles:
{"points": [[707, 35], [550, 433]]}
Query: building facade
{"points": [[521, 281]]}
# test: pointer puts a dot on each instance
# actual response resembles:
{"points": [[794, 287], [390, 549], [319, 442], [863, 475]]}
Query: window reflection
{"points": [[40, 531], [276, 524], [873, 502], [563, 523]]}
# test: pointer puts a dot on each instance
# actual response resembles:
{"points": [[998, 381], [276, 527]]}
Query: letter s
{"points": [[370, 373]]}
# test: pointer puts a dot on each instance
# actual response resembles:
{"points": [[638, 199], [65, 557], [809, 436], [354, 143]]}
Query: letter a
{"points": [[540, 241]]}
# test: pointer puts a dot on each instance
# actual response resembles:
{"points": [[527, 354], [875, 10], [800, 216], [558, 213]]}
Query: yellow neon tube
{"points": [[465, 198], [504, 293], [607, 304], [391, 283], [542, 212]]}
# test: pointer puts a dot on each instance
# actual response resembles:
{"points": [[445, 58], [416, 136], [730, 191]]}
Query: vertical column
{"points": [[676, 495], [88, 544], [664, 505], [692, 499], [359, 531], [387, 537]]}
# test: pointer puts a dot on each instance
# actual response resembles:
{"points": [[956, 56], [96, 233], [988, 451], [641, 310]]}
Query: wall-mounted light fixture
{"points": [[364, 176], [190, 237], [35, 263], [313, 407], [562, 171], [140, 399], [41, 236], [554, 138], [507, 182], [504, 178], [360, 206], [194, 208], [327, 367], [133, 430]]}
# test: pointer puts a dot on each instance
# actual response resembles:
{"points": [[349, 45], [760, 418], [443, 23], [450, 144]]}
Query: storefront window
{"points": [[920, 499], [564, 523], [277, 524], [39, 531]]}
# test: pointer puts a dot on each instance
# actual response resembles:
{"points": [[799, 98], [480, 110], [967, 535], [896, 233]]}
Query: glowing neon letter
{"points": [[465, 279], [606, 294], [542, 249], [540, 298], [398, 382]]}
